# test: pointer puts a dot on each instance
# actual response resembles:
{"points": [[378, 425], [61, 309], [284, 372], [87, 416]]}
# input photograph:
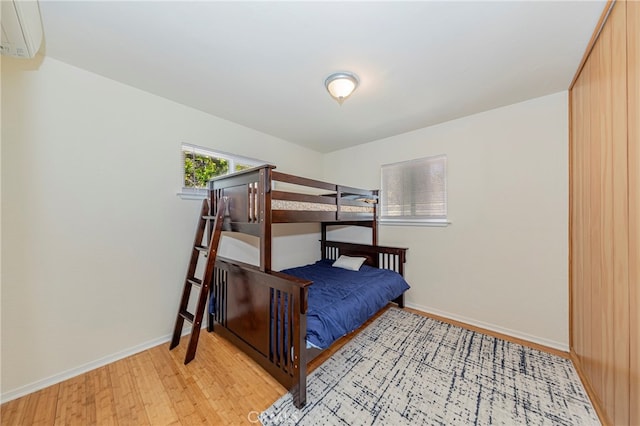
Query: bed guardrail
{"points": [[253, 196]]}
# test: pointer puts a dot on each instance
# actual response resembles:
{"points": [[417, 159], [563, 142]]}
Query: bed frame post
{"points": [[374, 233], [399, 301], [299, 390], [374, 223], [264, 197], [323, 240]]}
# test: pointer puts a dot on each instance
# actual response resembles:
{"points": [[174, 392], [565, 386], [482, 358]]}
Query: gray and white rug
{"points": [[406, 369]]}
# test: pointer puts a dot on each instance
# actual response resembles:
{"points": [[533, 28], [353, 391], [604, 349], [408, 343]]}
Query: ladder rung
{"points": [[195, 281], [187, 315], [209, 217], [202, 248]]}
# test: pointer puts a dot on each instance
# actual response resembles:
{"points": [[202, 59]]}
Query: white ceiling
{"points": [[263, 64]]}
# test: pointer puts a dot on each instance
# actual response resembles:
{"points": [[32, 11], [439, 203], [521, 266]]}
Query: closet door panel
{"points": [[595, 213], [576, 338], [604, 227], [582, 215], [633, 114], [618, 395]]}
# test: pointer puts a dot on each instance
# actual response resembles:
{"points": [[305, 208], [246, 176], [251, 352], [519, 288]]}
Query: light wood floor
{"points": [[221, 386]]}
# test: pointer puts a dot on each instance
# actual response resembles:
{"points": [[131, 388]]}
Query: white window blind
{"points": [[415, 191]]}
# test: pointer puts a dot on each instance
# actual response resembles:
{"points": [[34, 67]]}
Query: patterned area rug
{"points": [[406, 369]]}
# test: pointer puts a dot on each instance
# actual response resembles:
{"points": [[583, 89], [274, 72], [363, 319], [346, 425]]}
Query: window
{"points": [[201, 164], [415, 192]]}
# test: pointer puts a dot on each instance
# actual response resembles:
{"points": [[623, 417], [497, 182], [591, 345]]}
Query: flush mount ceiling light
{"points": [[341, 85]]}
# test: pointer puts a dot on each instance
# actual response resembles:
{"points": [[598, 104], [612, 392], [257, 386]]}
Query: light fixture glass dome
{"points": [[341, 85]]}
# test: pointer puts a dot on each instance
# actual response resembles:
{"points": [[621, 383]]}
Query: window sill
{"points": [[414, 223], [193, 195]]}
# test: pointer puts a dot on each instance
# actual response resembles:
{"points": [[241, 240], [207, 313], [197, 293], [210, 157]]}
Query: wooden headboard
{"points": [[392, 258]]}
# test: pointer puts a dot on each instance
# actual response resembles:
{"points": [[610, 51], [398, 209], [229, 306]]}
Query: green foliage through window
{"points": [[201, 165], [198, 169]]}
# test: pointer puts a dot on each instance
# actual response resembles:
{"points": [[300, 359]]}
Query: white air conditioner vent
{"points": [[21, 28]]}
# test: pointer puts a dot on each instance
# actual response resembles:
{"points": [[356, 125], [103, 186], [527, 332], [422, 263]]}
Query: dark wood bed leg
{"points": [[400, 301], [299, 389], [209, 316], [299, 392], [210, 322]]}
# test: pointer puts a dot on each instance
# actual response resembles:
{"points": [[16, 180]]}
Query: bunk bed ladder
{"points": [[210, 251]]}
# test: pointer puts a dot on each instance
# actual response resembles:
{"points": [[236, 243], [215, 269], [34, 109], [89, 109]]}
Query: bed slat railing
{"points": [[219, 290], [392, 258], [388, 261], [304, 198], [302, 181], [252, 194], [281, 325], [335, 198], [331, 253]]}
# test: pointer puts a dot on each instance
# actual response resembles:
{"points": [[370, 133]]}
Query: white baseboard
{"points": [[492, 327], [73, 372]]}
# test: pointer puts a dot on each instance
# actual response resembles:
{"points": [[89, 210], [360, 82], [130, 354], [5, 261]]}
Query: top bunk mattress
{"points": [[341, 300], [317, 207]]}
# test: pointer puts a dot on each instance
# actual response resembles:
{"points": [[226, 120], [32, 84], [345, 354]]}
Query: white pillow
{"points": [[350, 263]]}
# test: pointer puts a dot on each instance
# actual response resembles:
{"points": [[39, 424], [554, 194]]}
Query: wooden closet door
{"points": [[600, 220], [633, 73], [609, 219], [617, 365]]}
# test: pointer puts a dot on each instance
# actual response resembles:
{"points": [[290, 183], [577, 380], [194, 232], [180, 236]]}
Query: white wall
{"points": [[95, 242], [502, 263]]}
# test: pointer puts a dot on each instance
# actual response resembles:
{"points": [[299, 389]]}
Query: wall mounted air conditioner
{"points": [[21, 28]]}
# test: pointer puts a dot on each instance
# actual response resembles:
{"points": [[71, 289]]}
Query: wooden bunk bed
{"points": [[264, 312]]}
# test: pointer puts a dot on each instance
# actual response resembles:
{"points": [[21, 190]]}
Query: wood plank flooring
{"points": [[221, 386]]}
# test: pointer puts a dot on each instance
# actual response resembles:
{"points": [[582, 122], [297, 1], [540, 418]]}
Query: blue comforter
{"points": [[340, 300]]}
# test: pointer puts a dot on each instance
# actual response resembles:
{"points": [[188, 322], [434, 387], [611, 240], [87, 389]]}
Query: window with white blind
{"points": [[201, 164], [415, 192]]}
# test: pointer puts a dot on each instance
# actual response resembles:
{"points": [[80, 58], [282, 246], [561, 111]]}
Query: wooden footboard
{"points": [[264, 314]]}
